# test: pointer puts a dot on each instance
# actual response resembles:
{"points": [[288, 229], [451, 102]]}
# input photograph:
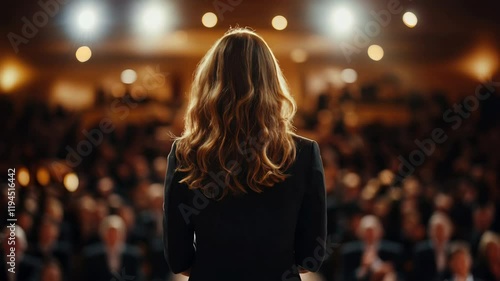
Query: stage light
{"points": [[23, 176], [10, 77], [298, 55], [71, 182], [410, 19], [128, 76], [43, 176], [279, 22], [342, 19], [349, 75], [88, 19], [152, 18], [83, 54], [375, 52], [209, 19]]}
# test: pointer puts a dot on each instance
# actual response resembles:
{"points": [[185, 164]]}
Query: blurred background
{"points": [[401, 95]]}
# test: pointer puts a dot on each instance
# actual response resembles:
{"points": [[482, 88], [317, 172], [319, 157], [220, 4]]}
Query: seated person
{"points": [[460, 263], [370, 258]]}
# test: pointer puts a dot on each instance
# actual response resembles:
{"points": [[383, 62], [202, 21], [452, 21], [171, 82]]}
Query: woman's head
{"points": [[238, 124]]}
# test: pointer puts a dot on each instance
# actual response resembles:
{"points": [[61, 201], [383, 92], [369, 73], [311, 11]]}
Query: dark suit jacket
{"points": [[256, 236], [424, 263], [95, 264], [352, 254]]}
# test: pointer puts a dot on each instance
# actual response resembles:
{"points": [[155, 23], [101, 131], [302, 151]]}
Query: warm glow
{"points": [[298, 55], [279, 22], [83, 54], [349, 75], [128, 76], [483, 67], [43, 176], [10, 77], [482, 62], [71, 182], [209, 20], [23, 176], [74, 95], [375, 52], [410, 19], [342, 19]]}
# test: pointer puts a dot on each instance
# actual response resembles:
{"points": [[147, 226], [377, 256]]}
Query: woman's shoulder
{"points": [[302, 141]]}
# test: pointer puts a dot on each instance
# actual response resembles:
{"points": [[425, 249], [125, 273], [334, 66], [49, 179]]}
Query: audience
{"points": [[114, 257], [378, 205], [370, 258]]}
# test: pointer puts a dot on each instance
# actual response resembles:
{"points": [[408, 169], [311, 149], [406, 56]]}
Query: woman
{"points": [[244, 195]]}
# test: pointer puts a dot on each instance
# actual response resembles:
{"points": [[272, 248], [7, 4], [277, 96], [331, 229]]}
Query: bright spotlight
{"points": [[349, 75], [375, 52], [87, 19], [83, 54], [342, 19], [152, 18], [209, 19], [279, 22], [128, 76], [410, 19]]}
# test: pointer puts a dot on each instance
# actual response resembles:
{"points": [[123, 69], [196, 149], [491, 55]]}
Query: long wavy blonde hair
{"points": [[238, 125]]}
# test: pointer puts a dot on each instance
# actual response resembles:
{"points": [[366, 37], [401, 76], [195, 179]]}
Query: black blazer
{"points": [[251, 237], [424, 263]]}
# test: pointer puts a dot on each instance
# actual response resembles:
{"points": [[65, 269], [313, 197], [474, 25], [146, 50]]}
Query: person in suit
{"points": [[113, 258], [27, 267], [430, 256], [460, 263], [371, 257], [49, 246], [239, 178]]}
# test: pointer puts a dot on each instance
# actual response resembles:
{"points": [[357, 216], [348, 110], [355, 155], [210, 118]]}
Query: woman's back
{"points": [[255, 236], [239, 178]]}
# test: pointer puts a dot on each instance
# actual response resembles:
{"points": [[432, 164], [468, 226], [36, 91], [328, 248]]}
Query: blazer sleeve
{"points": [[178, 232], [310, 235]]}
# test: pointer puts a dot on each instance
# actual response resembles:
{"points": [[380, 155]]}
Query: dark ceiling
{"points": [[446, 29]]}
